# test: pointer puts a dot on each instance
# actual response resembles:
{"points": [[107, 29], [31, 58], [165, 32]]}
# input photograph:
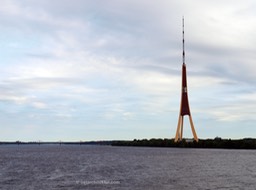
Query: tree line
{"points": [[247, 143]]}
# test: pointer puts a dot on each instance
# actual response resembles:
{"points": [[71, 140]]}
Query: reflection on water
{"points": [[106, 167]]}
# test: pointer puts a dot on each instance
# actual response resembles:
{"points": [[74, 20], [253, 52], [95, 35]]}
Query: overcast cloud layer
{"points": [[91, 69]]}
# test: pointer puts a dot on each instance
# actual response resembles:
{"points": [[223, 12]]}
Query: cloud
{"points": [[86, 64]]}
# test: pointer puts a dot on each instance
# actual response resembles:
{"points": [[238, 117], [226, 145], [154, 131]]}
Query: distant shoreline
{"points": [[246, 143], [56, 143]]}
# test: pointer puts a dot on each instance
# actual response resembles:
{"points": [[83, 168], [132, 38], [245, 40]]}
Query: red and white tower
{"points": [[184, 104]]}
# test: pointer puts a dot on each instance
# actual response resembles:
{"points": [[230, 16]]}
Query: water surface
{"points": [[106, 167]]}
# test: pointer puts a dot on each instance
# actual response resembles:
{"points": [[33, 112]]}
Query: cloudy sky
{"points": [[94, 69]]}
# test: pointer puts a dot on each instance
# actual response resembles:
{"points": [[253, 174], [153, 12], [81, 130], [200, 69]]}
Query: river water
{"points": [[130, 168]]}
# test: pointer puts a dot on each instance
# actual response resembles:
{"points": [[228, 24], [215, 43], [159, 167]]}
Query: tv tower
{"points": [[184, 104]]}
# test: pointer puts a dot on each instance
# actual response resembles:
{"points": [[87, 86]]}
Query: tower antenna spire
{"points": [[183, 41]]}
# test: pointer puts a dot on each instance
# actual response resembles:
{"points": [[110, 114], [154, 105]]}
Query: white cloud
{"points": [[39, 105], [82, 61]]}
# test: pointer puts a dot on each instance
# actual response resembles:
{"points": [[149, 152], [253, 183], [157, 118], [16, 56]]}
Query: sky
{"points": [[103, 70]]}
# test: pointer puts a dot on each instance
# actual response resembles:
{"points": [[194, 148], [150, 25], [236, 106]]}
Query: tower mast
{"points": [[183, 42], [184, 104]]}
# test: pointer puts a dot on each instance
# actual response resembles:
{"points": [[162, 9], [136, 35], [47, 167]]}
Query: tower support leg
{"points": [[178, 131], [177, 136], [192, 128], [181, 129]]}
